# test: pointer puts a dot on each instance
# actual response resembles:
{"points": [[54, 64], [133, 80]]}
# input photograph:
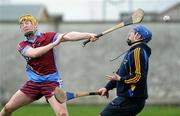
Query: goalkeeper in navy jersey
{"points": [[130, 79]]}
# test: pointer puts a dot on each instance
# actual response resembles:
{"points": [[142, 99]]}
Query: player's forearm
{"points": [[111, 85], [76, 36], [37, 52]]}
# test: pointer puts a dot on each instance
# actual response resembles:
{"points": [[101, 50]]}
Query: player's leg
{"points": [[59, 109], [65, 106], [123, 107], [18, 100], [47, 89]]}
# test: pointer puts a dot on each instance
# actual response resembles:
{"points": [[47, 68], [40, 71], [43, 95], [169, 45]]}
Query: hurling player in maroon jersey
{"points": [[41, 70]]}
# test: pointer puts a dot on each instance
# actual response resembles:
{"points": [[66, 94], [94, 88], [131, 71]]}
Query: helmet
{"points": [[28, 17], [145, 33]]}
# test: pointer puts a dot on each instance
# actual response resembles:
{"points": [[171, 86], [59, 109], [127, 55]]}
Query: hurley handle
{"points": [[87, 41]]}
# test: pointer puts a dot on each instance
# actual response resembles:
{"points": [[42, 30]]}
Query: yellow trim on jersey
{"points": [[133, 87], [137, 67]]}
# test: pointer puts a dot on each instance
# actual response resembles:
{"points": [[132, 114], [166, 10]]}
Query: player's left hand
{"points": [[114, 76]]}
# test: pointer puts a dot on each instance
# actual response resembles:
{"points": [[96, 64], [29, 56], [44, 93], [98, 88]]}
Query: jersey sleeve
{"points": [[53, 36], [110, 85], [56, 36], [22, 48]]}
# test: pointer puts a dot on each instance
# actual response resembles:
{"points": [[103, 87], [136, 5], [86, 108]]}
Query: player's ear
{"points": [[36, 26]]}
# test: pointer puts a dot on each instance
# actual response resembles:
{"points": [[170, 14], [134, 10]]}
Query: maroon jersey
{"points": [[43, 66]]}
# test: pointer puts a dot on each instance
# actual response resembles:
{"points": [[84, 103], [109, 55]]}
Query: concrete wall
{"points": [[85, 68]]}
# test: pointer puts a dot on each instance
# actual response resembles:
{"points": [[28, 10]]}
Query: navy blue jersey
{"points": [[133, 72]]}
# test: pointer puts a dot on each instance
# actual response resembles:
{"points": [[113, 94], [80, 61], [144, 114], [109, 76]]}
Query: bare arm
{"points": [[71, 36], [37, 52], [76, 36]]}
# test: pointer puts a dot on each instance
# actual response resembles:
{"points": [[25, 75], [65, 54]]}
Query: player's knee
{"points": [[8, 109], [61, 114]]}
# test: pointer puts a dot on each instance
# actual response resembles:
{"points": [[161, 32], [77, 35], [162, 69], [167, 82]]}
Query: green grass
{"points": [[160, 111], [93, 110]]}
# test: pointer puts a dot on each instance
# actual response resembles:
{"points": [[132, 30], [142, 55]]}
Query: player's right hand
{"points": [[59, 40], [102, 91], [92, 37]]}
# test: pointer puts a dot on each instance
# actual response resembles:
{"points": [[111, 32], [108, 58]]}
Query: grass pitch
{"points": [[93, 110]]}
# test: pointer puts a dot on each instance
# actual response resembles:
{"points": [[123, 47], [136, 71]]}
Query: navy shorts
{"points": [[121, 106]]}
